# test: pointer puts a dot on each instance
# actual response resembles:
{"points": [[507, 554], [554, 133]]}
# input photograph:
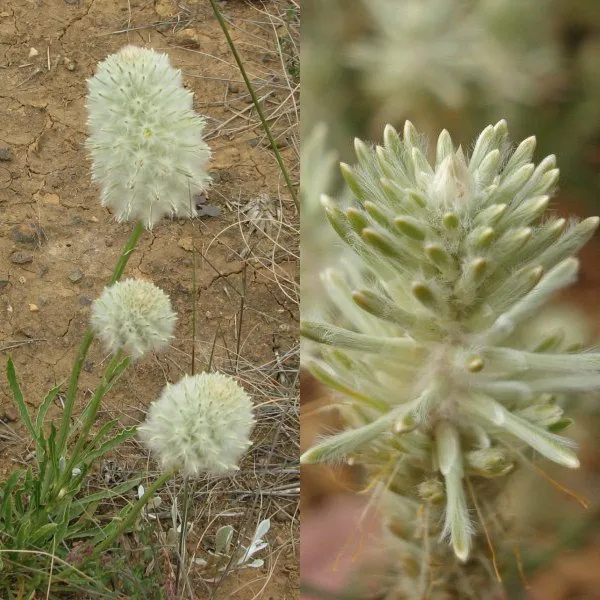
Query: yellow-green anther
{"points": [[410, 227], [383, 308], [383, 243], [356, 219], [442, 260], [475, 364], [480, 238], [425, 295], [377, 213], [416, 199], [450, 221]]}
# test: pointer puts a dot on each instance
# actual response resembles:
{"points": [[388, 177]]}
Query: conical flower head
{"points": [[200, 424], [133, 316], [145, 139], [426, 334]]}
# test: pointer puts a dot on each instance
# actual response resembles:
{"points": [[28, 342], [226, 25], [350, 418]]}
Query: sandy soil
{"points": [[58, 245]]}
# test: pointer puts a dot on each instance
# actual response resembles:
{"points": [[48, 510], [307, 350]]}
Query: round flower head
{"points": [[134, 316], [145, 138], [202, 423]]}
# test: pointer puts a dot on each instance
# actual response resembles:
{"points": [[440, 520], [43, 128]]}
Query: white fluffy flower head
{"points": [[135, 316], [200, 424], [145, 138]]}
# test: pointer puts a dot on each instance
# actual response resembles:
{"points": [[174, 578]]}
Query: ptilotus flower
{"points": [[200, 424], [418, 53], [145, 139], [133, 316], [426, 338]]}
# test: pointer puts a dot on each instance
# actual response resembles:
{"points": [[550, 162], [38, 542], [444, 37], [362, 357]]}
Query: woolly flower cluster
{"points": [[426, 336], [200, 424], [133, 316], [441, 49], [145, 138]]}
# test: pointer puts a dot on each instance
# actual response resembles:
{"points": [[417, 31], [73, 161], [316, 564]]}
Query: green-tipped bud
{"points": [[489, 462], [522, 155], [351, 180], [362, 152], [491, 215], [444, 147], [411, 227], [357, 219]]}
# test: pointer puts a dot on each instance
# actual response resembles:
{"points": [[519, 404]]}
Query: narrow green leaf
{"points": [[44, 532], [18, 397], [117, 440], [39, 421]]}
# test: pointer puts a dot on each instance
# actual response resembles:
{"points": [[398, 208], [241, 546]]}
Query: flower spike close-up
{"points": [[428, 338], [145, 139]]}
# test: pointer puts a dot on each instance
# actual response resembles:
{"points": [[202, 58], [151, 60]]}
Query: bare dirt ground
{"points": [[58, 245]]}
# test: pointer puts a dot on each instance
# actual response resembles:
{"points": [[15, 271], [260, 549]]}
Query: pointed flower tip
{"points": [[461, 551]]}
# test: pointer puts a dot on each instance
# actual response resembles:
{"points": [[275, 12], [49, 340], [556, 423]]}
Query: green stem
{"points": [[183, 533], [92, 411], [87, 341], [265, 125], [132, 514]]}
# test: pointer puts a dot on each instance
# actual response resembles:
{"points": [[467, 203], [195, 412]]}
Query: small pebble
{"points": [[253, 142], [234, 88], [88, 366], [85, 300], [69, 64], [5, 154], [33, 308], [94, 219], [32, 52], [22, 280], [75, 275], [21, 258], [186, 243], [26, 233]]}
